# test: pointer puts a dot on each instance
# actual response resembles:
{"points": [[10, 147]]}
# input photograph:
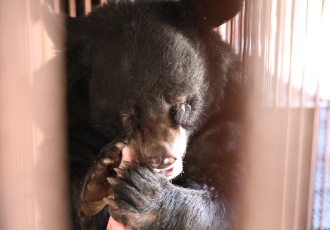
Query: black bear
{"points": [[154, 113]]}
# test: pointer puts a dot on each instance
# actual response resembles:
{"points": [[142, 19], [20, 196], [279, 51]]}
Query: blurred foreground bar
{"points": [[32, 139]]}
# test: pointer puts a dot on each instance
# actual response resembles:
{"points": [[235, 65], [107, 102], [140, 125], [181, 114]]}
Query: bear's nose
{"points": [[158, 155], [160, 163]]}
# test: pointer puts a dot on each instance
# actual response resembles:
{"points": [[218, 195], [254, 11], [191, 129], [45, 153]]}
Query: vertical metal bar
{"points": [[302, 129], [31, 134], [57, 6], [72, 8], [88, 6], [313, 162], [311, 194], [280, 15], [16, 150], [231, 34], [267, 57], [326, 161], [300, 170], [241, 30], [285, 198], [228, 31], [326, 158], [246, 40], [103, 2], [262, 47]]}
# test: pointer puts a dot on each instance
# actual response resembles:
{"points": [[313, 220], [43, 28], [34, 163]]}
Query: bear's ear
{"points": [[59, 27], [217, 12]]}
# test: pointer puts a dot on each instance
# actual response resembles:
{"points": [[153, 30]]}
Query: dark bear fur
{"points": [[154, 67]]}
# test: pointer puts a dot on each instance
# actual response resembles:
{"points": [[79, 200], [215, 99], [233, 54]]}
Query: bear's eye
{"points": [[180, 113], [125, 117]]}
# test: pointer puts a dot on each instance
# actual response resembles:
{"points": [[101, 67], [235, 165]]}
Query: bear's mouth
{"points": [[166, 171], [129, 154], [169, 171], [172, 171]]}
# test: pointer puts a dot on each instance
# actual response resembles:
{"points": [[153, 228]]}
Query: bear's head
{"points": [[138, 73]]}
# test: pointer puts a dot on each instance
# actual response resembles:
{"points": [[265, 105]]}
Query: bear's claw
{"points": [[96, 185]]}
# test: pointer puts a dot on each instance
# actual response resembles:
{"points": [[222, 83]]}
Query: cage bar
{"points": [[72, 8], [31, 124], [87, 6]]}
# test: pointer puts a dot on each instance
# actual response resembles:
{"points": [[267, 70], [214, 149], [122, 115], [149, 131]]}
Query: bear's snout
{"points": [[159, 155], [164, 157]]}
